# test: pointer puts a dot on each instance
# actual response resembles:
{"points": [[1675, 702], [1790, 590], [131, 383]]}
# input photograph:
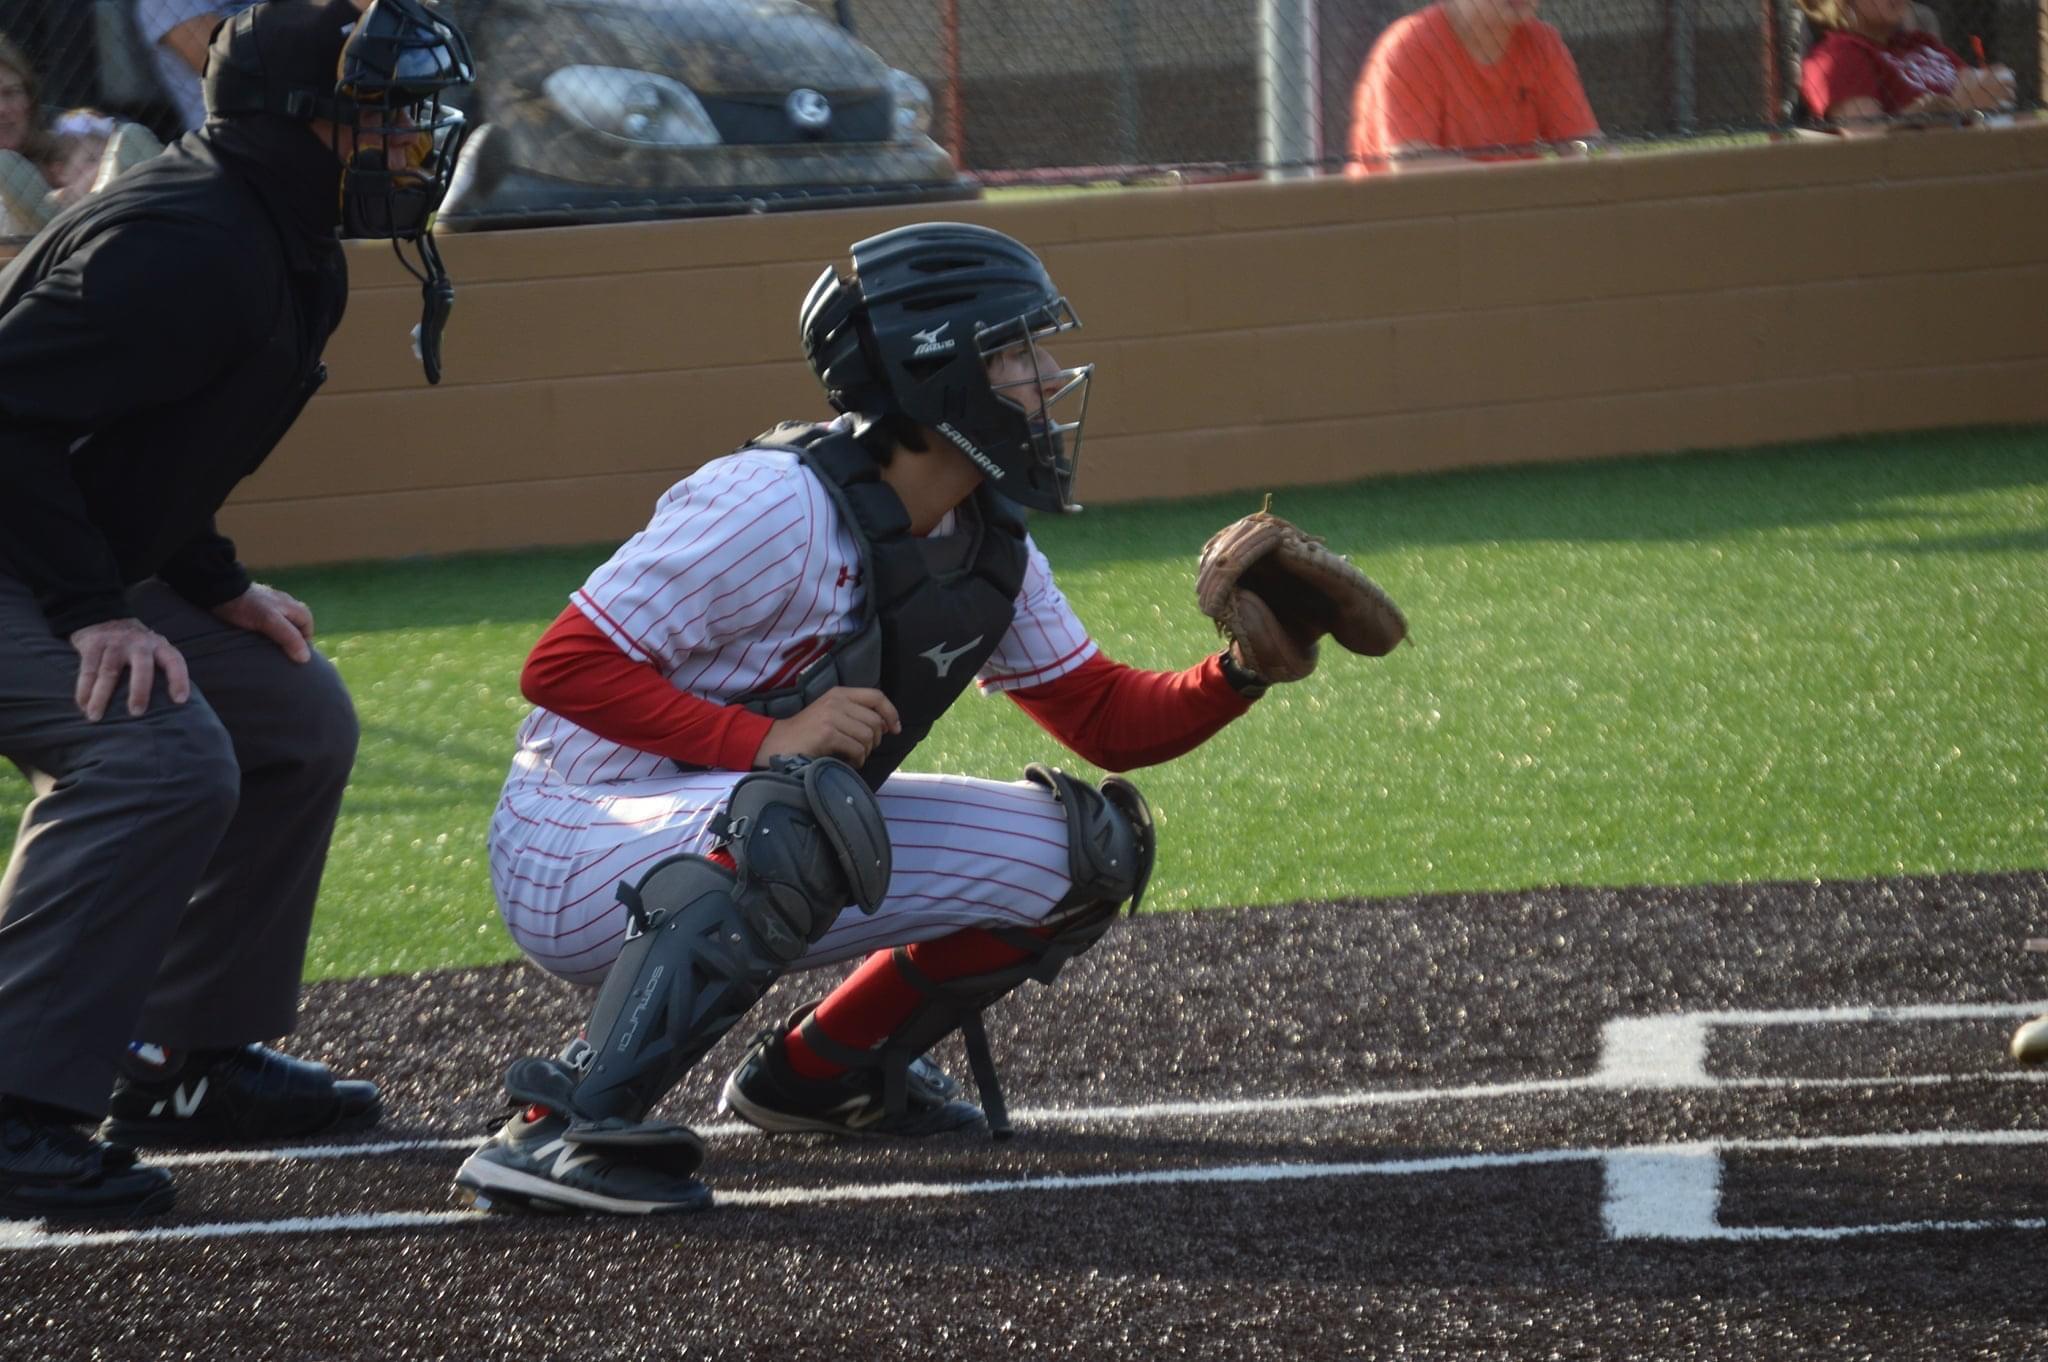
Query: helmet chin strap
{"points": [[371, 208], [437, 299]]}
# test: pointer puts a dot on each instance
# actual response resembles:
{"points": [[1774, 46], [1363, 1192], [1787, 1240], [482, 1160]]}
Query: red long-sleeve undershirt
{"points": [[1115, 716]]}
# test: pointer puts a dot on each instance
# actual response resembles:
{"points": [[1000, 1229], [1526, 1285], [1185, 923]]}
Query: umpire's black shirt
{"points": [[156, 342]]}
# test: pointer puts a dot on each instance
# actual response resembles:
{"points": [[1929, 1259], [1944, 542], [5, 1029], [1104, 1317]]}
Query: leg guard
{"points": [[706, 942], [1111, 846]]}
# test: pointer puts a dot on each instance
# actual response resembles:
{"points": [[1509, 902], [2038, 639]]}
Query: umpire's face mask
{"points": [[400, 147], [398, 173]]}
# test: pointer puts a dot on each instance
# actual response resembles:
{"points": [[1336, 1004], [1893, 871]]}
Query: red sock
{"points": [[876, 999]]}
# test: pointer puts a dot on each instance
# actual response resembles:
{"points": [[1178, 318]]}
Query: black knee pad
{"points": [[1111, 841], [805, 842], [706, 942]]}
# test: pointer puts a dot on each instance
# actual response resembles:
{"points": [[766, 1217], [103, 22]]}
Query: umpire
{"points": [[187, 745]]}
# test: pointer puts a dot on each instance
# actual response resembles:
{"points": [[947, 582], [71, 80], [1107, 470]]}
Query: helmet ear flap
{"points": [[840, 345]]}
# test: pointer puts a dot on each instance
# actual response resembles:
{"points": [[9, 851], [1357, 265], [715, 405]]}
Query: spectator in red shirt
{"points": [[1871, 66]]}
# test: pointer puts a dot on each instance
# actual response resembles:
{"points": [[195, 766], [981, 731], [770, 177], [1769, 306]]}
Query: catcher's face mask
{"points": [[399, 140], [1024, 376]]}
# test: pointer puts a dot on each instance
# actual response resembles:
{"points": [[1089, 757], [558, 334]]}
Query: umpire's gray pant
{"points": [[163, 883]]}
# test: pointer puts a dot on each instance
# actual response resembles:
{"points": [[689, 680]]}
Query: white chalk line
{"points": [[1671, 1050], [29, 1235], [1165, 1111], [17, 1235], [1637, 1054]]}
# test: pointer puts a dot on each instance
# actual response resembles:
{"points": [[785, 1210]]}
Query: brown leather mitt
{"points": [[1275, 591]]}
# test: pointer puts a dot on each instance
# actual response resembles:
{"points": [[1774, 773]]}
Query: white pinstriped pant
{"points": [[965, 852]]}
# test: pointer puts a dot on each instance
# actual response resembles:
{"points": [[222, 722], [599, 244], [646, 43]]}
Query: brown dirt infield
{"points": [[1374, 1132]]}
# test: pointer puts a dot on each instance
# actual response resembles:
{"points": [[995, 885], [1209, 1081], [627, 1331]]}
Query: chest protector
{"points": [[934, 610]]}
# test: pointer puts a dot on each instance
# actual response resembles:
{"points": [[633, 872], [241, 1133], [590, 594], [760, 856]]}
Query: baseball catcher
{"points": [[712, 793]]}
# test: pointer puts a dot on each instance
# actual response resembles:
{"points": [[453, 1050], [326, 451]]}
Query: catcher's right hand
{"points": [[1275, 591]]}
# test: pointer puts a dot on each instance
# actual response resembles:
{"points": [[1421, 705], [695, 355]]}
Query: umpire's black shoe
{"points": [[49, 1170], [244, 1095], [765, 1091], [529, 1166]]}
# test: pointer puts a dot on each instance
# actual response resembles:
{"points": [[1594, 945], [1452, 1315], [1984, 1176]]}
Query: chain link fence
{"points": [[602, 108]]}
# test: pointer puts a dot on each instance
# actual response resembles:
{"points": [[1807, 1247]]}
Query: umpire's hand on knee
{"points": [[279, 616], [111, 647], [845, 722]]}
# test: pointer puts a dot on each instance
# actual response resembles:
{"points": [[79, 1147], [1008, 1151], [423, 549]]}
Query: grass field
{"points": [[1804, 662]]}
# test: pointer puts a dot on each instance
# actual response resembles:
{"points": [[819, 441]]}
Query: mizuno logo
{"points": [[928, 342], [942, 658], [184, 1101]]}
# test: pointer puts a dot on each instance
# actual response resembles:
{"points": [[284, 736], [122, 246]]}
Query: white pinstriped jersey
{"points": [[745, 574]]}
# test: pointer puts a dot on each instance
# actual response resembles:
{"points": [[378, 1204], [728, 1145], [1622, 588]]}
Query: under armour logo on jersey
{"points": [[928, 342], [847, 574], [942, 658]]}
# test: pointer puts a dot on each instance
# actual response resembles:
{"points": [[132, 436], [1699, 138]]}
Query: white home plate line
{"points": [[28, 1235], [1671, 1051], [1673, 1191]]}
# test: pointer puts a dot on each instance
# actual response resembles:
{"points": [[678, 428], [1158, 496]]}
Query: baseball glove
{"points": [[1274, 591]]}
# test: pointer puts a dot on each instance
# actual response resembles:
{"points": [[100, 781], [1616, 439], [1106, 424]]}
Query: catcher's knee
{"points": [[1111, 842], [706, 942], [805, 843]]}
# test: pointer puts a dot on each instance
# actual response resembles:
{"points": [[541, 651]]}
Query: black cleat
{"points": [[529, 1166], [764, 1091], [239, 1096], [50, 1170]]}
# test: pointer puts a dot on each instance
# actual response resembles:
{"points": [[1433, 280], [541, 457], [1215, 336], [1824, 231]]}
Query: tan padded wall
{"points": [[1249, 336]]}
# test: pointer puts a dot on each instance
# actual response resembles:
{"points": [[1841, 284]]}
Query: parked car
{"points": [[600, 110]]}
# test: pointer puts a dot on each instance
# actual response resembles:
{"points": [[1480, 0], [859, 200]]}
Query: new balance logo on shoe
{"points": [[857, 1112], [184, 1101], [568, 1158]]}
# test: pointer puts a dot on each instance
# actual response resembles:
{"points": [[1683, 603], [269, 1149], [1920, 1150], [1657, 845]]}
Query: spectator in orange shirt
{"points": [[1445, 83]]}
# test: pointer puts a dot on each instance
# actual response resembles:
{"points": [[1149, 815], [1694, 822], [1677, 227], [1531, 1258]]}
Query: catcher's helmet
{"points": [[907, 339], [382, 73]]}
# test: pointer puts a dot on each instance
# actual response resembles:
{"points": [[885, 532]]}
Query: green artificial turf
{"points": [[1822, 661]]}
